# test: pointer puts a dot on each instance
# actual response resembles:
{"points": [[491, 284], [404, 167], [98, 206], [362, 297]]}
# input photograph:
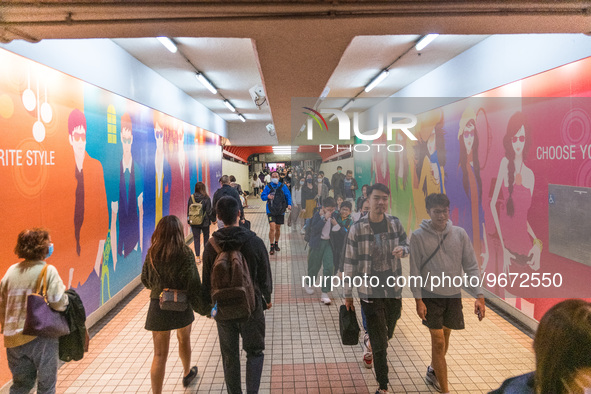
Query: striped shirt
{"points": [[18, 282]]}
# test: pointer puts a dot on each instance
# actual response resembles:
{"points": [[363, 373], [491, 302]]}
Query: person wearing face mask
{"points": [[309, 203], [322, 189], [278, 200], [288, 179], [296, 196], [30, 358]]}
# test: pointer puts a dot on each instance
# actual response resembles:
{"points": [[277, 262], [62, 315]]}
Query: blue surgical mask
{"points": [[275, 180], [50, 251], [302, 182]]}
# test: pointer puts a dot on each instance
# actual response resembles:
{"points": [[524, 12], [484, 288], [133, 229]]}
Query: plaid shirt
{"points": [[359, 248]]}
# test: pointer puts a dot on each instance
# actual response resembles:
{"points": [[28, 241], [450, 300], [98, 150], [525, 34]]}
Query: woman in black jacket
{"points": [[170, 264], [208, 215]]}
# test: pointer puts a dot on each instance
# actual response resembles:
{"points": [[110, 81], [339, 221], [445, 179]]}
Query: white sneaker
{"points": [[308, 289], [325, 299]]}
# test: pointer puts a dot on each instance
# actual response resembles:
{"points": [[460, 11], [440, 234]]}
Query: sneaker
{"points": [[325, 299], [189, 378], [432, 379], [272, 251], [277, 247], [308, 289], [367, 343], [303, 231], [368, 360]]}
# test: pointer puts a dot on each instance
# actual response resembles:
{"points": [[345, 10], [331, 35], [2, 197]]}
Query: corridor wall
{"points": [[94, 168], [526, 218]]}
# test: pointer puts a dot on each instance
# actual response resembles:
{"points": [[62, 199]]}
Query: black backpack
{"points": [[278, 204]]}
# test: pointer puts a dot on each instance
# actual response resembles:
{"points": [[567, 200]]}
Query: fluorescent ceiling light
{"points": [[168, 43], [201, 78], [242, 118], [377, 80], [230, 106], [426, 40], [349, 104], [285, 150]]}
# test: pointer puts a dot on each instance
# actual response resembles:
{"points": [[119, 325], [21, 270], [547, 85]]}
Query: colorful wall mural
{"points": [[96, 169], [509, 160]]}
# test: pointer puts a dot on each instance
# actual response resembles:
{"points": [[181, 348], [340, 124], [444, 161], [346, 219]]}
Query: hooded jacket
{"points": [[454, 256], [255, 252]]}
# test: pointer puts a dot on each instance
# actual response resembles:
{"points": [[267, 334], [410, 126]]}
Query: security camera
{"points": [[257, 94]]}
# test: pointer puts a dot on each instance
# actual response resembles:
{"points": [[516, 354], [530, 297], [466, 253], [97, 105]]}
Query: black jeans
{"points": [[197, 235], [253, 343], [381, 315]]}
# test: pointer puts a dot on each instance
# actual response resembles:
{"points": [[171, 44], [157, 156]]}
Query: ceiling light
{"points": [[325, 92], [426, 40], [230, 106], [201, 78], [349, 104], [377, 80], [285, 150], [303, 128], [168, 43], [242, 118]]}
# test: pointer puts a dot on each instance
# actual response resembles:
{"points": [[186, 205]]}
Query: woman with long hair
{"points": [[170, 264], [309, 202], [516, 181], [562, 345], [30, 358], [472, 183], [202, 198]]}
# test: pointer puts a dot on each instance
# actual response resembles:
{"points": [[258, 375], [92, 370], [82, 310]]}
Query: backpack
{"points": [[308, 231], [232, 290], [196, 214], [278, 204]]}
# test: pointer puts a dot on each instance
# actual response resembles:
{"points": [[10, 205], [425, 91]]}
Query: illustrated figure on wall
{"points": [[157, 182], [129, 210], [469, 164], [181, 178], [402, 198], [516, 181], [89, 210], [432, 175]]}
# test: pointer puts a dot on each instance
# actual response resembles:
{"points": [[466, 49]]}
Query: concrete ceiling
{"points": [[295, 49]]}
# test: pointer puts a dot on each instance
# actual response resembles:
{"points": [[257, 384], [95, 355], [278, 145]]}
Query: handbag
{"points": [[348, 326], [246, 224], [41, 319], [172, 299]]}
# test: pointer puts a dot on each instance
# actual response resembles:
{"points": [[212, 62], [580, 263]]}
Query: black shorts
{"points": [[277, 219], [444, 312]]}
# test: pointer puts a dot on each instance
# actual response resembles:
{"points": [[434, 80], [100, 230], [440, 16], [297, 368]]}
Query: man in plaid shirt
{"points": [[374, 247]]}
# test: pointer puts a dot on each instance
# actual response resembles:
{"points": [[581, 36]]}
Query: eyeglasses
{"points": [[126, 140], [468, 134], [521, 138], [438, 212], [79, 137]]}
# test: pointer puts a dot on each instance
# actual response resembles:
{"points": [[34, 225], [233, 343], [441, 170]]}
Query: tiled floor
{"points": [[303, 350]]}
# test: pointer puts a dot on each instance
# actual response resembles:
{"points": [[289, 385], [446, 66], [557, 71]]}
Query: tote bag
{"points": [[41, 320]]}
